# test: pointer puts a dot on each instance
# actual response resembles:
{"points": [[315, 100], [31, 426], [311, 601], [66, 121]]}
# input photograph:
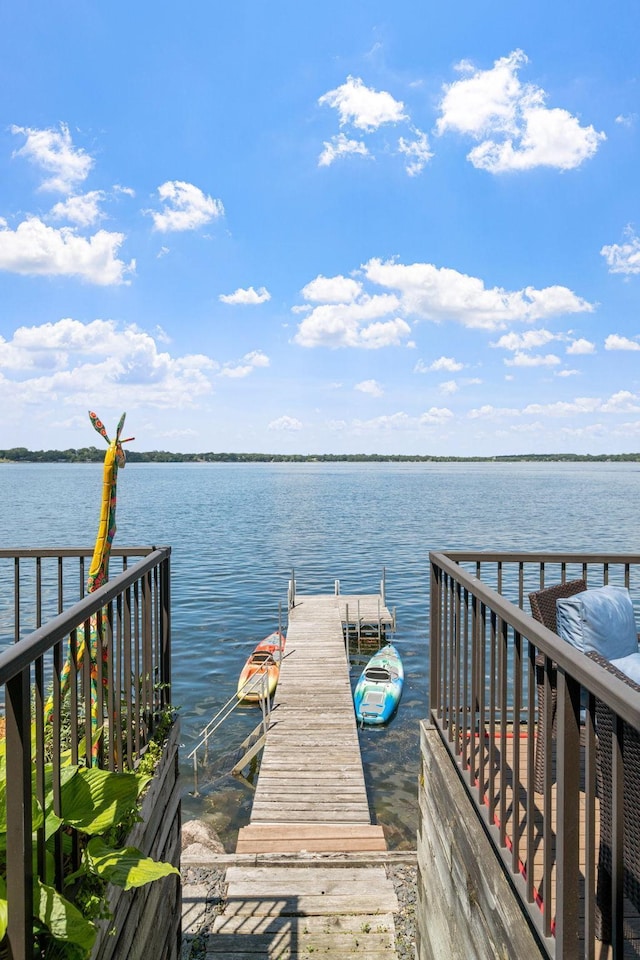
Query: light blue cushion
{"points": [[600, 620], [629, 665]]}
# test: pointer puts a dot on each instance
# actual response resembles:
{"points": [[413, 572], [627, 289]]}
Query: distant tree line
{"points": [[95, 455]]}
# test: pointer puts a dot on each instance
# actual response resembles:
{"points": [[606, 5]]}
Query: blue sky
{"points": [[348, 227]]}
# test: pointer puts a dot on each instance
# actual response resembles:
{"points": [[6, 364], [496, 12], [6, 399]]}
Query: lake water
{"points": [[237, 531]]}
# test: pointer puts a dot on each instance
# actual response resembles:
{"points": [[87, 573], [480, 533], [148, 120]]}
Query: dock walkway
{"points": [[311, 793], [311, 799]]}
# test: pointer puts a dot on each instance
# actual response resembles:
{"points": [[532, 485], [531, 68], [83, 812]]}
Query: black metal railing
{"points": [[491, 667], [85, 679]]}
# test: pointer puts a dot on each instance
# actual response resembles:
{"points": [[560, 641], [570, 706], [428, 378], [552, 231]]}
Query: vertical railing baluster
{"points": [[165, 624], [503, 667], [466, 705], [16, 599], [18, 792], [56, 748], [459, 731], [147, 655], [530, 780], [568, 821], [85, 680], [617, 837], [547, 826], [516, 773], [453, 654], [492, 718], [128, 677], [590, 873], [137, 678], [444, 657], [435, 601]]}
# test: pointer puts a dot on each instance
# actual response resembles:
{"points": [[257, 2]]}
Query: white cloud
{"points": [[564, 408], [615, 342], [248, 296], [83, 209], [627, 120], [74, 363], [363, 107], [242, 368], [341, 146], [33, 248], [448, 387], [581, 347], [186, 207], [354, 324], [436, 415], [623, 257], [528, 340], [53, 151], [515, 129], [520, 359], [417, 153], [387, 333], [431, 293], [332, 289], [285, 424], [488, 412], [399, 422], [442, 363], [372, 387], [621, 402], [567, 373]]}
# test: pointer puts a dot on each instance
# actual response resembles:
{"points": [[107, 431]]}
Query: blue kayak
{"points": [[378, 691]]}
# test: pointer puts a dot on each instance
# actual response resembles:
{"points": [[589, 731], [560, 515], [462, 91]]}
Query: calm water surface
{"points": [[237, 531]]}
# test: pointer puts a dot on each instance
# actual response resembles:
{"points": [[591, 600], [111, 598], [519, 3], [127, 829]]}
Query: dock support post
{"points": [[292, 590], [346, 631]]}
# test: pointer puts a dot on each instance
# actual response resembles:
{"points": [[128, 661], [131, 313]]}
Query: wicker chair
{"points": [[543, 608], [631, 820]]}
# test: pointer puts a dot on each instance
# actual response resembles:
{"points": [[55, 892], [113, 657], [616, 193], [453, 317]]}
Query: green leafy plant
{"points": [[96, 805]]}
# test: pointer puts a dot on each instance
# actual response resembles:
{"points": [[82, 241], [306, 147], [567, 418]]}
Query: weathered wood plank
{"points": [[316, 905], [342, 924]]}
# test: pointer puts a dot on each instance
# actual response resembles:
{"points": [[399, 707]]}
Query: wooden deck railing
{"points": [[44, 617], [487, 655]]}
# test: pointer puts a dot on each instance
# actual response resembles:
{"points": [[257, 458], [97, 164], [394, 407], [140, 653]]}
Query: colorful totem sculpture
{"points": [[99, 569]]}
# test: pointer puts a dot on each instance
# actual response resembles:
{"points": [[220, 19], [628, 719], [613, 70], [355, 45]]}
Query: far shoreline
{"points": [[94, 455]]}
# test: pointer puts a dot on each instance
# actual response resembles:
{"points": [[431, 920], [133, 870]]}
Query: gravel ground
{"points": [[404, 877]]}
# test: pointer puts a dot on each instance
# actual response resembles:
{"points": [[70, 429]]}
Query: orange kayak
{"points": [[259, 676]]}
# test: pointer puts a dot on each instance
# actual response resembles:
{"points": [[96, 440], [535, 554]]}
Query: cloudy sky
{"points": [[321, 228]]}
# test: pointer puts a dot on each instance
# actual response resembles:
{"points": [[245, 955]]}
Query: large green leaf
{"points": [[4, 907], [37, 817], [51, 820], [126, 867], [63, 920], [96, 800]]}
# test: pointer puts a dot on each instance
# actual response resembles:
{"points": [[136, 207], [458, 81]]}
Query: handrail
{"points": [[102, 670], [15, 658], [570, 660], [499, 681], [257, 680]]}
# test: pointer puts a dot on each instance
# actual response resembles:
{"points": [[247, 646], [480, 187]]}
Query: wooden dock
{"points": [[311, 803], [311, 794]]}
